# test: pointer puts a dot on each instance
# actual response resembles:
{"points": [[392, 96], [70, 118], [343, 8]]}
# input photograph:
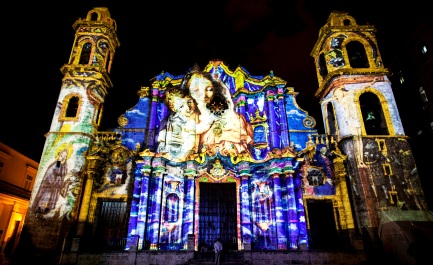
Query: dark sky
{"points": [[172, 36]]}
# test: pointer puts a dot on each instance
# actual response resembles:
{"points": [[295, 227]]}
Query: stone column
{"points": [[133, 216], [152, 120], [246, 225], [302, 225], [241, 104], [137, 223], [273, 132], [188, 211], [292, 216], [279, 216], [154, 216], [93, 168], [85, 204], [285, 140]]}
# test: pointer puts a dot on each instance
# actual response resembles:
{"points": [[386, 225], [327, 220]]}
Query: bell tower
{"points": [[360, 111], [77, 115]]}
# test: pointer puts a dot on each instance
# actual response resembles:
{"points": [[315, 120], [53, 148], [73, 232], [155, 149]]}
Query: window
{"points": [[372, 114], [85, 53], [322, 66], [393, 197], [387, 170], [28, 183], [357, 56], [424, 49], [94, 16], [71, 110], [423, 95], [331, 119], [381, 144]]}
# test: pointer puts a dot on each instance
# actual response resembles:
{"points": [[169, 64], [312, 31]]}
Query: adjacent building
{"points": [[17, 176]]}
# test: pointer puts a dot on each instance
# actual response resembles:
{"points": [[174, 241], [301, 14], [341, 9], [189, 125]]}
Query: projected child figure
{"points": [[177, 138], [219, 126]]}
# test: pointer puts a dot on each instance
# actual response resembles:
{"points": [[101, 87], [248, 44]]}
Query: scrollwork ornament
{"points": [[122, 120], [309, 122]]}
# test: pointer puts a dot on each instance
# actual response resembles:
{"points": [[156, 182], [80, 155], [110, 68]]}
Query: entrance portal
{"points": [[323, 231], [217, 214]]}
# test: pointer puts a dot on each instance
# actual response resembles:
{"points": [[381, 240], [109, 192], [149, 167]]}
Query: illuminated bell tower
{"points": [[76, 119], [359, 109]]}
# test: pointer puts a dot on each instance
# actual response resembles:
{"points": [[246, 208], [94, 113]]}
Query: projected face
{"points": [[200, 88], [191, 106], [179, 105], [208, 94], [63, 155], [173, 101], [220, 127]]}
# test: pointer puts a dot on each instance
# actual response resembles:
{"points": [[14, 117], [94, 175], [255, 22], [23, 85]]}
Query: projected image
{"points": [[52, 182], [203, 118], [320, 175], [220, 127], [177, 137], [262, 198], [58, 186], [172, 206]]}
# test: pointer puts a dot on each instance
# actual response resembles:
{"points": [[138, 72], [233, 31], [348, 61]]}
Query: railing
{"points": [[270, 243], [94, 244], [340, 242], [8, 188], [102, 245], [171, 246]]}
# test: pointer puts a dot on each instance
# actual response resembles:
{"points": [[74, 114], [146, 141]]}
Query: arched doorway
{"points": [[217, 212]]}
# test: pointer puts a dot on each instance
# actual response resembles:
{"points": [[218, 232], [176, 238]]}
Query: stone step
{"points": [[227, 258], [208, 262]]}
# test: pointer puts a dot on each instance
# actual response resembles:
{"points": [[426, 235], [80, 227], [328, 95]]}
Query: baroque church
{"points": [[222, 153]]}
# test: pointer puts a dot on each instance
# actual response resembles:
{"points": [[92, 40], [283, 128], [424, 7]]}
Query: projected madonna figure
{"points": [[219, 126]]}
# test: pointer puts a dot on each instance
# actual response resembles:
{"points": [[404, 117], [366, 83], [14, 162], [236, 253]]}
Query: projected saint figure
{"points": [[323, 159], [52, 182], [262, 202], [220, 127]]}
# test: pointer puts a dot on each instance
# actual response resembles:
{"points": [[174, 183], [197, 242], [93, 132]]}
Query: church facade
{"points": [[221, 153]]}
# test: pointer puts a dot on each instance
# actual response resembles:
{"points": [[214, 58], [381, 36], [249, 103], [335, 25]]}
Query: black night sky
{"points": [[172, 36]]}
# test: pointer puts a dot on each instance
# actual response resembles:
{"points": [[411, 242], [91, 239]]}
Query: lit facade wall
{"points": [[262, 155], [17, 176]]}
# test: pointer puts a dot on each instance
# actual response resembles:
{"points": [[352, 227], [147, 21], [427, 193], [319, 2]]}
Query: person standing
{"points": [[218, 247], [203, 249]]}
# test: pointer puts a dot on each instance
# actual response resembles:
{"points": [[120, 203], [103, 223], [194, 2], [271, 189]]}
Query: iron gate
{"points": [[217, 214]]}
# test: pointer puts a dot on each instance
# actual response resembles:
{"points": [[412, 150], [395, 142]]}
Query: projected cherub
{"points": [[177, 137], [220, 127]]}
